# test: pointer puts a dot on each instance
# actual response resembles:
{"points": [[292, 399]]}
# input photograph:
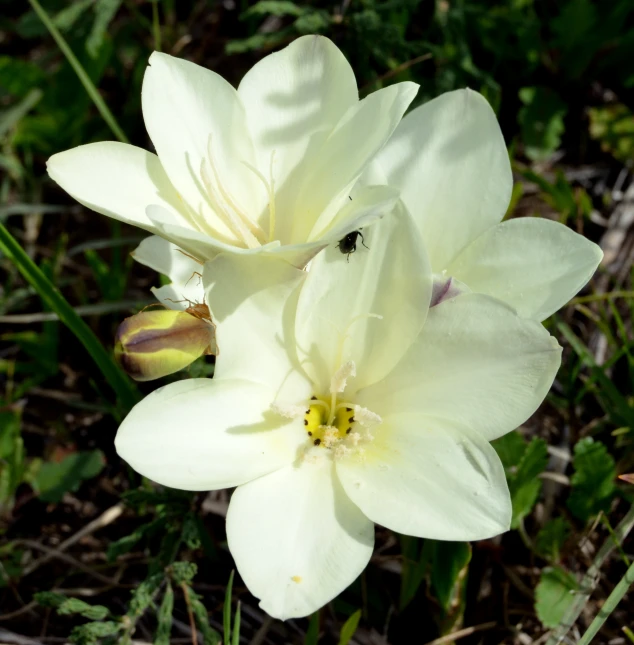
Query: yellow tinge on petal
{"points": [[156, 343]]}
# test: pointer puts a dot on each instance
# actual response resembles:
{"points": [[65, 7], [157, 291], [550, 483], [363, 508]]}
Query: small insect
{"points": [[348, 244]]}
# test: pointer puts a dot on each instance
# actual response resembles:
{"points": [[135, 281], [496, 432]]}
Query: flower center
{"points": [[337, 426], [323, 432]]}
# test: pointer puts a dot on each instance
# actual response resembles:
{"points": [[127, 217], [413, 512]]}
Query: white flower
{"points": [[269, 166], [449, 160], [339, 401]]}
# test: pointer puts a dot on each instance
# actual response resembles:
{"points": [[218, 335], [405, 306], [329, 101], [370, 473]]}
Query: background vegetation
{"points": [[77, 562]]}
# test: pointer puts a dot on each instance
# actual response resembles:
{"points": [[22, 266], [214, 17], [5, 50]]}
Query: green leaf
{"points": [[554, 595], [9, 118], [525, 485], [312, 634], [19, 77], [126, 543], [349, 628], [613, 127], [226, 611], [12, 462], [210, 635], [593, 480], [449, 562], [105, 12], [235, 634], [91, 633], [510, 448], [143, 595], [76, 606], [314, 22], [49, 598], [273, 8], [183, 572], [164, 617], [552, 537], [54, 479], [255, 42], [67, 17], [542, 121], [416, 554]]}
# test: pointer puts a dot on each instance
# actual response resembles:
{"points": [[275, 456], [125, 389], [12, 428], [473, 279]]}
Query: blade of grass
{"points": [[89, 86], [591, 578], [126, 392], [156, 26], [226, 612], [235, 635], [619, 402], [609, 606]]}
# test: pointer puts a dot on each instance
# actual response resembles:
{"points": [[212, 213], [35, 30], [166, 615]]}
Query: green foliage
{"points": [[449, 562], [183, 572], [523, 464], [542, 121], [349, 627], [12, 459], [226, 612], [274, 8], [416, 555], [164, 617], [551, 538], [510, 449], [210, 635], [593, 482], [613, 127], [554, 594], [53, 479], [312, 633], [84, 634], [105, 11], [92, 633], [144, 594]]}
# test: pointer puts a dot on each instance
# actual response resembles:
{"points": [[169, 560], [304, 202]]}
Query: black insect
{"points": [[348, 244]]}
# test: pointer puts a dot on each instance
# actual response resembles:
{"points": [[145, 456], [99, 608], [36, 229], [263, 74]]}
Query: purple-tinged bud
{"points": [[156, 343]]}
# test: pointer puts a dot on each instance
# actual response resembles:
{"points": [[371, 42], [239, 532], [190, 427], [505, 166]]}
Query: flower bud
{"points": [[156, 343]]}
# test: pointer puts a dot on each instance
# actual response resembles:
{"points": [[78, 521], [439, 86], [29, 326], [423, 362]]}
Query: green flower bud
{"points": [[156, 343]]}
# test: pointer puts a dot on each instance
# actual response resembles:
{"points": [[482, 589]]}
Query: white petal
{"points": [[360, 134], [183, 104], [344, 296], [184, 272], [535, 265], [297, 539], [252, 299], [293, 99], [369, 204], [116, 179], [476, 364], [425, 477], [449, 159], [191, 240], [204, 434]]}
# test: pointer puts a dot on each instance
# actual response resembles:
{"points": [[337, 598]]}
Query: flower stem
{"points": [[126, 392], [80, 71], [609, 606], [156, 26]]}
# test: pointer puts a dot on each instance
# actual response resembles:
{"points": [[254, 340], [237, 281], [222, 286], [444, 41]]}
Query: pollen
{"points": [[325, 429]]}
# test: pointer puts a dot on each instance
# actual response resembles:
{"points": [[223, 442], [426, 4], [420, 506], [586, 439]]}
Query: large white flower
{"points": [[449, 160], [269, 166], [339, 401]]}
